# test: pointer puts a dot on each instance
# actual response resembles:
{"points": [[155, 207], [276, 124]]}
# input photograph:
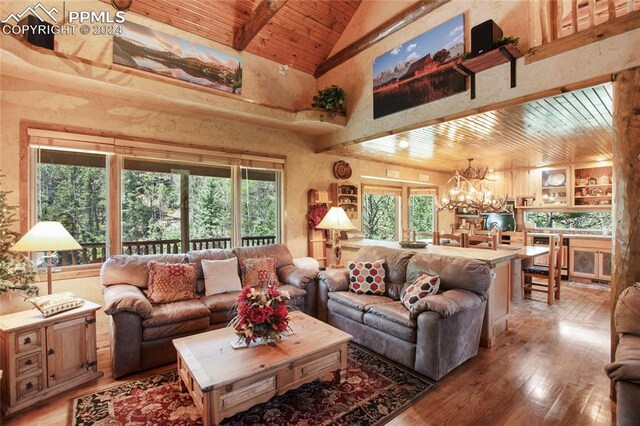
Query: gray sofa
{"points": [[141, 334], [434, 340], [625, 369]]}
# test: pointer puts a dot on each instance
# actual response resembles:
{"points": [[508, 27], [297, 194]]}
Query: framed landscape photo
{"points": [[150, 50], [420, 71]]}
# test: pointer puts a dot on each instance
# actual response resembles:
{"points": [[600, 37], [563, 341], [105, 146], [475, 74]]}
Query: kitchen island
{"points": [[496, 318]]}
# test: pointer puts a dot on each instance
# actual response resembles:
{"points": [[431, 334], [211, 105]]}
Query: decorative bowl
{"points": [[556, 179], [413, 244]]}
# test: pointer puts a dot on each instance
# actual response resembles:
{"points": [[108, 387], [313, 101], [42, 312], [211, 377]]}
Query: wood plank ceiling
{"points": [[301, 34], [575, 127]]}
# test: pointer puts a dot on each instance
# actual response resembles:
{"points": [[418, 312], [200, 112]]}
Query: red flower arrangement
{"points": [[261, 314], [316, 213]]}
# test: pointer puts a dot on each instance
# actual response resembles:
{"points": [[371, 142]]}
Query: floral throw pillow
{"points": [[259, 271], [367, 277], [171, 282], [425, 285]]}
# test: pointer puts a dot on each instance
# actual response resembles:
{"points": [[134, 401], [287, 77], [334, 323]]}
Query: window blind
{"points": [[382, 190], [148, 150]]}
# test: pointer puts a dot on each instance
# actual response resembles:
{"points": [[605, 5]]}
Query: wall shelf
{"points": [[501, 55]]}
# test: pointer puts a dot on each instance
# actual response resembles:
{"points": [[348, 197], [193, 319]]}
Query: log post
{"points": [[626, 201]]}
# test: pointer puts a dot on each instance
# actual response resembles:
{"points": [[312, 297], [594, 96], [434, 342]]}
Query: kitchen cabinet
{"points": [[42, 357], [593, 186], [590, 259], [554, 190]]}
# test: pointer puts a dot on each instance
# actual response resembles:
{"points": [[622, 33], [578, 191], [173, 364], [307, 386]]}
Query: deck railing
{"points": [[97, 252], [556, 19]]}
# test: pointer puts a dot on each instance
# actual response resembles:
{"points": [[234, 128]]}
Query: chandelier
{"points": [[469, 192]]}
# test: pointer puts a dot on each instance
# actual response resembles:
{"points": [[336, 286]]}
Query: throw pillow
{"points": [[171, 282], [259, 271], [367, 277], [55, 303], [425, 285], [221, 276]]}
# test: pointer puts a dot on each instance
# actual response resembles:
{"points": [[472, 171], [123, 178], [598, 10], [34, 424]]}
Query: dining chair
{"points": [[552, 273], [444, 238], [477, 241], [517, 238]]}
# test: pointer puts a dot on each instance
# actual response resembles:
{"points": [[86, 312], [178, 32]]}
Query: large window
{"points": [[381, 213], [260, 206], [172, 207], [71, 188], [119, 196], [589, 220], [422, 212]]}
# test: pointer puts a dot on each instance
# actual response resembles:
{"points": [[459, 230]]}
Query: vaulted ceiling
{"points": [[574, 127], [300, 33]]}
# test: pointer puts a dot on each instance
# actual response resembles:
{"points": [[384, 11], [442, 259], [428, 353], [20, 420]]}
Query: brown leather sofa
{"points": [[433, 340], [141, 334], [625, 369]]}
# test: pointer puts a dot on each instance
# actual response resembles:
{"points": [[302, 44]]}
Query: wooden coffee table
{"points": [[224, 381]]}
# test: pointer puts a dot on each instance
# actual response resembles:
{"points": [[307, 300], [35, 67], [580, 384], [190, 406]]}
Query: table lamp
{"points": [[46, 237], [336, 220]]}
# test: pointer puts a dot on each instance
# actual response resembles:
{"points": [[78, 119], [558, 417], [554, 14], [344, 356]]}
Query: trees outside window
{"points": [[422, 213], [71, 188], [379, 216], [260, 198], [597, 220], [166, 207]]}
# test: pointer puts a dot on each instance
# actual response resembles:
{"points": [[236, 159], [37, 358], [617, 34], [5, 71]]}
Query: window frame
{"points": [[117, 149], [422, 190], [395, 191]]}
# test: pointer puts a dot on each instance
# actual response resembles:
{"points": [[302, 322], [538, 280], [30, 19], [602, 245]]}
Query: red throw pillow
{"points": [[425, 285], [259, 271], [171, 282], [367, 277]]}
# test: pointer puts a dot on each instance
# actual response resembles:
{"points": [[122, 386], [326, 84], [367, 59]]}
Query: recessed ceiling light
{"points": [[403, 144], [491, 170]]}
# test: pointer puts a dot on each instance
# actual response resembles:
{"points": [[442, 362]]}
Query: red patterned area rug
{"points": [[375, 391]]}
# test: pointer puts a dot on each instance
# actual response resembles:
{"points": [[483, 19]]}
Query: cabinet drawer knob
{"points": [[29, 362], [51, 352], [27, 340], [29, 386]]}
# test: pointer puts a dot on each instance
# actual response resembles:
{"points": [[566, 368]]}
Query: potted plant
{"points": [[501, 42], [330, 99]]}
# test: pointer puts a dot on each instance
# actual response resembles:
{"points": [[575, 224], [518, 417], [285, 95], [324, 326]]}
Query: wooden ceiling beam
{"points": [[258, 19], [379, 33]]}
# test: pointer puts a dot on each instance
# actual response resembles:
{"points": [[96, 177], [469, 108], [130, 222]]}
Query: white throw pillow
{"points": [[221, 276]]}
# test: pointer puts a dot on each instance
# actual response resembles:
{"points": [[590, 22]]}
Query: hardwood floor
{"points": [[546, 369]]}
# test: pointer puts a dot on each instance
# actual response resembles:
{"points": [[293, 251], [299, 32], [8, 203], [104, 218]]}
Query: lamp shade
{"points": [[46, 236], [336, 219]]}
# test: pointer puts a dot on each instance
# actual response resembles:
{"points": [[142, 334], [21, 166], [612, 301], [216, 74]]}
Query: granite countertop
{"points": [[492, 257], [573, 236]]}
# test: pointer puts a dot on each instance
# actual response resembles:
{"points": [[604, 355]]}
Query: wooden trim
{"points": [[122, 140], [492, 107], [382, 31], [258, 19], [25, 178], [628, 22]]}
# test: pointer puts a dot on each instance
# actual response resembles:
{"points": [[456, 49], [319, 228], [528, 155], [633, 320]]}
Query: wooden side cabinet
{"points": [[41, 357], [590, 259]]}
